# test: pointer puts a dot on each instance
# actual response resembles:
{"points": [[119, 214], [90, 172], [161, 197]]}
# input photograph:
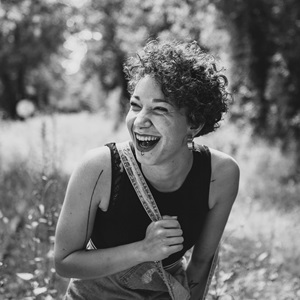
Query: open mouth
{"points": [[146, 142]]}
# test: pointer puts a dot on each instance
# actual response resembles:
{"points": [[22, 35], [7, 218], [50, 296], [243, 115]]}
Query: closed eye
{"points": [[134, 106], [161, 109]]}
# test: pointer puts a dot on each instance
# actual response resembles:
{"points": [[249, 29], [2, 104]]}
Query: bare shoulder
{"points": [[223, 163], [95, 163], [224, 178], [95, 158]]}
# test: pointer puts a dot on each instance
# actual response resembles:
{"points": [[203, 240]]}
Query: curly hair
{"points": [[188, 78]]}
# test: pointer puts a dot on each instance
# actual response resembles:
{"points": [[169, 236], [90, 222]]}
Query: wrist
{"points": [[140, 252]]}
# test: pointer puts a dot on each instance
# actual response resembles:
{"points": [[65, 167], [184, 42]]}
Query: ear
{"points": [[194, 130]]}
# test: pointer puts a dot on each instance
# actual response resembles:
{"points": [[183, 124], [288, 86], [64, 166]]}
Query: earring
{"points": [[190, 143]]}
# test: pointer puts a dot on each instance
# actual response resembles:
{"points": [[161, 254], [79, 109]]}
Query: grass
{"points": [[259, 256]]}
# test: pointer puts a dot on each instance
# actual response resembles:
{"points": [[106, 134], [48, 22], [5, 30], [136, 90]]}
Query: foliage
{"points": [[126, 25], [266, 64], [30, 33], [28, 220], [264, 46]]}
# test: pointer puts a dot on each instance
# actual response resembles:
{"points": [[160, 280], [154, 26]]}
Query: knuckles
{"points": [[163, 238]]}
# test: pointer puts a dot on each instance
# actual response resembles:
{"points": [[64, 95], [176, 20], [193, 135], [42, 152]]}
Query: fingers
{"points": [[174, 248], [174, 241], [169, 222], [170, 236], [168, 232], [172, 245], [163, 238], [166, 217], [173, 232], [168, 227]]}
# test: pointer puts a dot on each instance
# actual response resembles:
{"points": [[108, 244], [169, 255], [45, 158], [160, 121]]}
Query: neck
{"points": [[169, 176]]}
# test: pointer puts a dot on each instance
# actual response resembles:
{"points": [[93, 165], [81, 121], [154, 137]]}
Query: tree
{"points": [[30, 33], [125, 26], [105, 56], [266, 63]]}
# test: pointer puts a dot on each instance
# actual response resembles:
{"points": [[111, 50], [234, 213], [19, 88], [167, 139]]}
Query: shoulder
{"points": [[95, 164], [223, 164], [225, 175], [93, 159]]}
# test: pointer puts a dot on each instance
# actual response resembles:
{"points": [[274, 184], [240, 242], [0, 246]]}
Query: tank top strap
{"points": [[205, 155], [117, 170], [203, 160]]}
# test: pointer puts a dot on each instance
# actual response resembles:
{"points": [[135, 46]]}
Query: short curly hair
{"points": [[188, 78]]}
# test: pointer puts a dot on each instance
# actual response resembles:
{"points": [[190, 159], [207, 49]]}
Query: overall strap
{"points": [[138, 181]]}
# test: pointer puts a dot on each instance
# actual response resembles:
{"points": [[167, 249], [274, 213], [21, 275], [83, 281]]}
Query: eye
{"points": [[134, 106], [161, 109]]}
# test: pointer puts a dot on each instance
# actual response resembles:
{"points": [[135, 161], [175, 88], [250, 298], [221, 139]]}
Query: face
{"points": [[158, 129]]}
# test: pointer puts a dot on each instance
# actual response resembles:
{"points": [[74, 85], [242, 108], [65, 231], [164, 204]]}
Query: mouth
{"points": [[146, 143]]}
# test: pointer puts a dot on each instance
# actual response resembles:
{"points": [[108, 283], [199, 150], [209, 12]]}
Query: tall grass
{"points": [[259, 257]]}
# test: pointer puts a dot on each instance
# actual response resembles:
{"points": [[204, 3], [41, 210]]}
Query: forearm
{"points": [[197, 274], [163, 238], [92, 264]]}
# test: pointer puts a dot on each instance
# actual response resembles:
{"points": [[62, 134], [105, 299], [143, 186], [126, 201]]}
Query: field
{"points": [[259, 256]]}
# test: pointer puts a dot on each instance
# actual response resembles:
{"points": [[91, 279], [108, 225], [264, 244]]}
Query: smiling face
{"points": [[158, 129]]}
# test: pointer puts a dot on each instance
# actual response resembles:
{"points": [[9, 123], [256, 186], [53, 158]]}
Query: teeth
{"points": [[146, 138]]}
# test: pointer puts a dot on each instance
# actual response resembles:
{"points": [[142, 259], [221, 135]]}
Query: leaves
{"points": [[25, 276], [266, 63], [31, 32], [39, 290]]}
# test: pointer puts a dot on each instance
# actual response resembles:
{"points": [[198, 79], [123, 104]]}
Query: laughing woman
{"points": [[133, 210]]}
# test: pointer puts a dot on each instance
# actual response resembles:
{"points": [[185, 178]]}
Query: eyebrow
{"points": [[154, 100]]}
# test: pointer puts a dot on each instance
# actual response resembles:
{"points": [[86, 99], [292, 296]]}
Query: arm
{"points": [[223, 191], [88, 188]]}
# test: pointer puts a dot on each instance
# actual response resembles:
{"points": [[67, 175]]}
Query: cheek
{"points": [[129, 121], [179, 130]]}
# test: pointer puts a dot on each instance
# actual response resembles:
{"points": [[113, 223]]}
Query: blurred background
{"points": [[63, 92]]}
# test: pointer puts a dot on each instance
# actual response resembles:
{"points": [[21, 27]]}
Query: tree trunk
{"points": [[9, 97]]}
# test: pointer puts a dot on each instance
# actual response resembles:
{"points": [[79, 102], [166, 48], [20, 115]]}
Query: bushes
{"points": [[30, 207]]}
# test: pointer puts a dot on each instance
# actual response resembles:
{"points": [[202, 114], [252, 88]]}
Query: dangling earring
{"points": [[190, 143]]}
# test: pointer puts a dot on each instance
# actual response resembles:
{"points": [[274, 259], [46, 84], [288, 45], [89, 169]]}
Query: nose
{"points": [[142, 120]]}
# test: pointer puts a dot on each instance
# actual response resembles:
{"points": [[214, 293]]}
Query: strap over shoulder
{"points": [[138, 181]]}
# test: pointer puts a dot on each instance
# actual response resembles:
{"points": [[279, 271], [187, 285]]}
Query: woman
{"points": [[176, 94]]}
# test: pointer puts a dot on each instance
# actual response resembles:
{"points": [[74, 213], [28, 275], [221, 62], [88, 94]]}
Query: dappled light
{"points": [[63, 92]]}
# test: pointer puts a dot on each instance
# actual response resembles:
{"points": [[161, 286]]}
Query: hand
{"points": [[163, 238]]}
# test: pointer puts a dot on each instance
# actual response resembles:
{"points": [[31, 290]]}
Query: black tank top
{"points": [[126, 221]]}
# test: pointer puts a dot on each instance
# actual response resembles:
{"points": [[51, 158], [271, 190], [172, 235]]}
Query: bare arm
{"points": [[88, 186], [223, 191]]}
